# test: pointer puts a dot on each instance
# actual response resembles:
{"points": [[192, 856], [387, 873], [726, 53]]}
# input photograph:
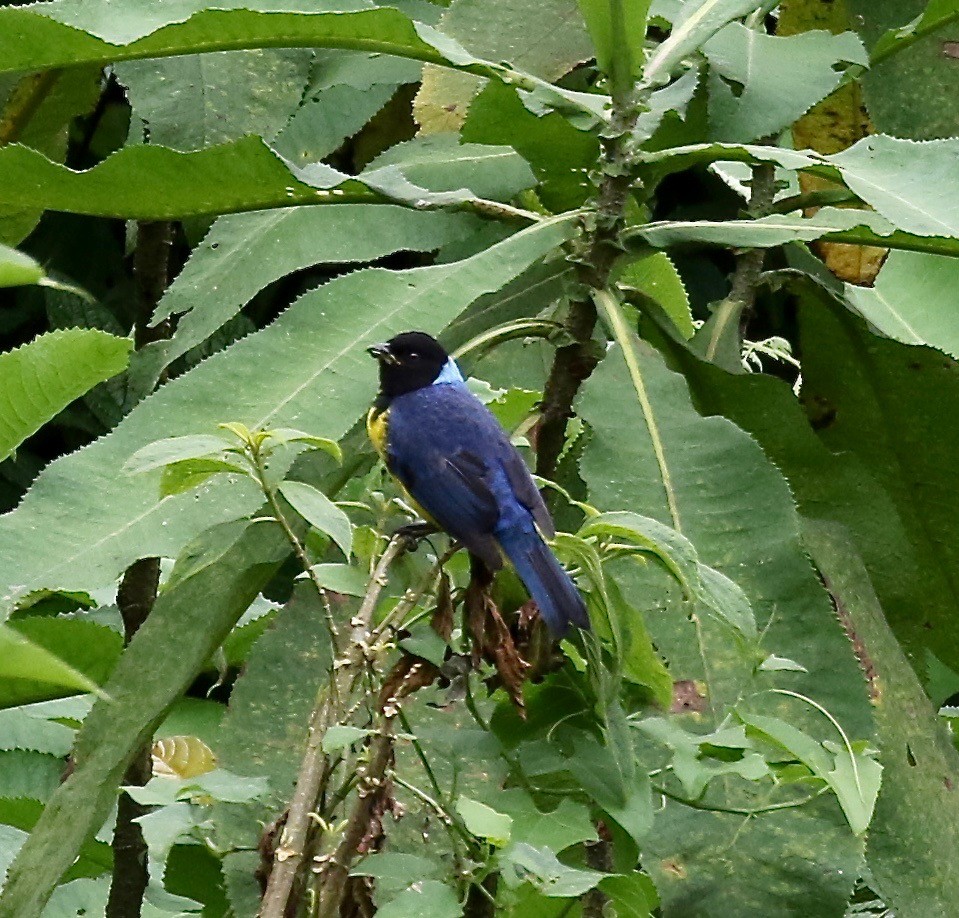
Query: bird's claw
{"points": [[414, 533]]}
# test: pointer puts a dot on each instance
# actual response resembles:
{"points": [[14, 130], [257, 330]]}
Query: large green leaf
{"points": [[618, 32], [705, 477], [882, 488], [500, 30], [890, 406], [307, 370], [777, 79], [911, 93], [21, 660], [214, 583], [204, 99], [70, 33], [912, 300], [243, 253], [917, 802], [40, 379]]}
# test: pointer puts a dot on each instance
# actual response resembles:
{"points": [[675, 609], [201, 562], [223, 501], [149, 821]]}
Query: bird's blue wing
{"points": [[456, 491]]}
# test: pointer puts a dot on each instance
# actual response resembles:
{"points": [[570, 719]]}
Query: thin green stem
{"points": [[736, 811], [907, 39]]}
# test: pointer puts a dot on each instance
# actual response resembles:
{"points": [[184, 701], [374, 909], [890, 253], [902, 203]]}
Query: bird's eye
{"points": [[414, 356]]}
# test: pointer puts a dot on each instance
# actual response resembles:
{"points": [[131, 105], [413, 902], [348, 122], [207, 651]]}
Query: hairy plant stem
{"points": [[135, 598], [574, 362], [735, 308], [26, 98], [288, 859]]}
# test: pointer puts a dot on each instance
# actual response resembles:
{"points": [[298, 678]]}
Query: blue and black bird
{"points": [[455, 460]]}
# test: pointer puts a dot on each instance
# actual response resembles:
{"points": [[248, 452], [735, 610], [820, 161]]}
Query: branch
{"points": [[749, 266], [575, 362], [135, 598], [289, 854]]}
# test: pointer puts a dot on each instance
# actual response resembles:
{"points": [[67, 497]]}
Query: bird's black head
{"points": [[408, 362]]}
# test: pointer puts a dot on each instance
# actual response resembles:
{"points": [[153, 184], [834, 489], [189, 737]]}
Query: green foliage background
{"points": [[652, 236]]}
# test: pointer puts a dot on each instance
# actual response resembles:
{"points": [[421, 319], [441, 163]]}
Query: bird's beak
{"points": [[382, 353]]}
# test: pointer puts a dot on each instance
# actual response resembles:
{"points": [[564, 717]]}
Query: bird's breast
{"points": [[377, 428]]}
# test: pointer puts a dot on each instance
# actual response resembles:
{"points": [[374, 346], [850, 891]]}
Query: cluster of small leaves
{"points": [[330, 177]]}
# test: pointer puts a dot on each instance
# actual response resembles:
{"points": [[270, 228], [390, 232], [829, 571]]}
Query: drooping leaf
{"points": [[307, 370], [776, 79], [40, 379], [542, 868], [438, 167], [191, 617], [830, 223], [697, 21]]}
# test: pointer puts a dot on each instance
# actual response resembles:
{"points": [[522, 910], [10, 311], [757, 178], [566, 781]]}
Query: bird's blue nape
{"points": [[449, 374]]}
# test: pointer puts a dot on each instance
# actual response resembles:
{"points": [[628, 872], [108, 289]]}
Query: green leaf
{"points": [[307, 370], [265, 726], [187, 474], [910, 300], [29, 775], [650, 449], [392, 869], [484, 821], [499, 30], [41, 38], [341, 736], [320, 512], [191, 617], [849, 376], [200, 100], [40, 379], [21, 659], [912, 79], [632, 896], [548, 874], [243, 253], [853, 777], [829, 223], [697, 22], [911, 184], [22, 729], [916, 802], [654, 275], [341, 578], [440, 168], [557, 151], [173, 449], [426, 899], [568, 824], [777, 79], [17, 269], [618, 32]]}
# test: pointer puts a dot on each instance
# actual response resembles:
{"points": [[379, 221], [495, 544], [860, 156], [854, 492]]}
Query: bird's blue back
{"points": [[457, 462]]}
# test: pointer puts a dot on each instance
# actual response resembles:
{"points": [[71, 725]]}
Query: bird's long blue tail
{"points": [[548, 584]]}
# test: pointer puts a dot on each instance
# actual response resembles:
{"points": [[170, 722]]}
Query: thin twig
{"points": [[269, 492], [289, 855], [737, 811]]}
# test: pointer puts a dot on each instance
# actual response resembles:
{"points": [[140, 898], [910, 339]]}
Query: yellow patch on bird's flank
{"points": [[377, 428]]}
